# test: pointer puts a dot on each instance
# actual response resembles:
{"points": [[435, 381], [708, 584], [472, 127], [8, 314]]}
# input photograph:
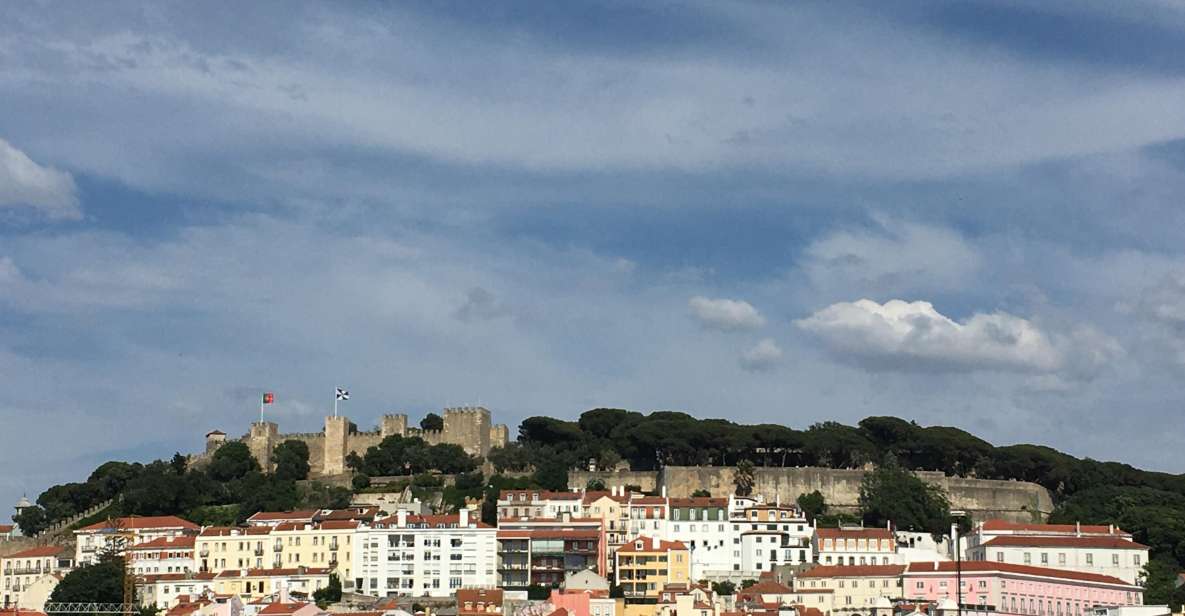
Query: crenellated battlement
{"points": [[469, 427]]}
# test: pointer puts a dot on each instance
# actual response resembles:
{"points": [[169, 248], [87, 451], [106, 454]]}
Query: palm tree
{"points": [[743, 478]]}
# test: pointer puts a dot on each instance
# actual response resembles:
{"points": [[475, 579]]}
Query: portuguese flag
{"points": [[269, 397]]}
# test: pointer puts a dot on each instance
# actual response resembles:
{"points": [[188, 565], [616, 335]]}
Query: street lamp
{"points": [[954, 532]]}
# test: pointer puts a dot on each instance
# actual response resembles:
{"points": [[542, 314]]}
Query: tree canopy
{"points": [[893, 494], [432, 421], [292, 460]]}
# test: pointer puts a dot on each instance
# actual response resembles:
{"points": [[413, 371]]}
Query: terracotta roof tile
{"points": [[980, 566], [830, 571], [649, 544], [1094, 529], [45, 550], [1113, 542], [142, 523]]}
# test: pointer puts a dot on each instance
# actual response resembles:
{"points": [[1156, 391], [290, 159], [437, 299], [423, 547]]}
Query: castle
{"points": [[469, 427]]}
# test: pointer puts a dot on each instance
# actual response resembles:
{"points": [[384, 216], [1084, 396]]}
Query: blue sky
{"points": [[961, 213]]}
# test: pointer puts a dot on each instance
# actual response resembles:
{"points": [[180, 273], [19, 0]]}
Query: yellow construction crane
{"points": [[125, 538]]}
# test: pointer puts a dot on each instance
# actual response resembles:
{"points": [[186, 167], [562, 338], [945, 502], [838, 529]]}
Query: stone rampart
{"points": [[1018, 501]]}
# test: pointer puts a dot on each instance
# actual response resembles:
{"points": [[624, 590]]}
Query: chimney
{"points": [[463, 517], [1077, 529], [664, 491], [283, 592], [401, 518]]}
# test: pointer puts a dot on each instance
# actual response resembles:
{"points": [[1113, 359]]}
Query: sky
{"points": [[964, 214]]}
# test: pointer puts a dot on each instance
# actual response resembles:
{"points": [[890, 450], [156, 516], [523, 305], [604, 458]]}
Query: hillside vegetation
{"points": [[1151, 505]]}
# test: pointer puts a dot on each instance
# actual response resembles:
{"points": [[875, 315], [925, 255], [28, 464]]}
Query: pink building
{"points": [[1006, 588]]}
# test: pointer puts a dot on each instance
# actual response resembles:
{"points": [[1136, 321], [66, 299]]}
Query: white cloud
{"points": [[725, 314], [24, 183], [762, 356], [895, 258], [909, 336]]}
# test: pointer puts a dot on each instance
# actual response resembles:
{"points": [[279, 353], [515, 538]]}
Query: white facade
{"points": [[1105, 550], [91, 541], [530, 504], [856, 546], [424, 555]]}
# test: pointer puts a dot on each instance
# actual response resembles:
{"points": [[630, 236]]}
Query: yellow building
{"points": [[21, 572], [645, 565], [325, 545], [251, 584], [854, 588], [613, 512]]}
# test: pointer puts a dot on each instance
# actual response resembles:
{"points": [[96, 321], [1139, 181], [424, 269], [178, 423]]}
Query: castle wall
{"points": [[499, 435], [359, 442], [1018, 501], [468, 427]]}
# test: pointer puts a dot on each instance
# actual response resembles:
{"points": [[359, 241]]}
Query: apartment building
{"points": [[22, 576], [1006, 588], [645, 565], [531, 504], [93, 540], [703, 525], [544, 550], [328, 544], [223, 548], [274, 518], [432, 555], [612, 509], [1101, 549], [163, 555], [859, 588], [768, 536], [162, 590], [855, 546], [648, 515]]}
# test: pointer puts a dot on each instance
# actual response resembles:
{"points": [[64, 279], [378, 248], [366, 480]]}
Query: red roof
{"points": [[228, 531], [648, 500], [6, 528], [981, 566], [649, 544], [765, 587], [830, 571], [485, 595], [1111, 542], [19, 612], [45, 550], [433, 521], [162, 522], [326, 525], [857, 533], [1096, 529], [356, 513], [174, 577], [164, 543]]}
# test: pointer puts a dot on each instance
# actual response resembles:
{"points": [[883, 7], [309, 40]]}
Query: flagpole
{"points": [[335, 402], [261, 409]]}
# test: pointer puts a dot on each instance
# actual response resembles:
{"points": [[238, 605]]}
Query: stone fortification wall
{"points": [[647, 480], [468, 427], [1019, 501]]}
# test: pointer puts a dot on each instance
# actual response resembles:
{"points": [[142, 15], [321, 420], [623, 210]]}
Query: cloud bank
{"points": [[26, 184], [728, 315]]}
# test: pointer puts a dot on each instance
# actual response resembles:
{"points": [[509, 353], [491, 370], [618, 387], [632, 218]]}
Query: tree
{"points": [[701, 493], [743, 478], [360, 482], [101, 582], [748, 583], [432, 421], [552, 475], [512, 457], [232, 461], [812, 504], [332, 593], [179, 464], [595, 484], [724, 588], [32, 521], [893, 494], [292, 460]]}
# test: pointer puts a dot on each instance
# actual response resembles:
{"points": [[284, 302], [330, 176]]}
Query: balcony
{"points": [[333, 561], [259, 551], [333, 544], [86, 549], [279, 547], [204, 552]]}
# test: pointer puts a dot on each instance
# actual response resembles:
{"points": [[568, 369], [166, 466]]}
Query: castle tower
{"points": [[468, 427], [394, 424], [214, 440], [261, 441], [337, 431]]}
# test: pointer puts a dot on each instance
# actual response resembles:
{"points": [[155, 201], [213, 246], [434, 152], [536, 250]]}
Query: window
{"points": [[1061, 558], [1000, 556], [1028, 558], [1136, 560], [1089, 558], [1115, 559], [1044, 558]]}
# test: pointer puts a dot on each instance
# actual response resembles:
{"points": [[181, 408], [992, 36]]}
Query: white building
{"points": [[163, 555], [92, 541], [23, 573], [530, 504], [424, 555], [1105, 550], [856, 546], [162, 589]]}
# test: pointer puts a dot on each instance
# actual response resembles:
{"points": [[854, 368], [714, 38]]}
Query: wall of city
{"points": [[1018, 501]]}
